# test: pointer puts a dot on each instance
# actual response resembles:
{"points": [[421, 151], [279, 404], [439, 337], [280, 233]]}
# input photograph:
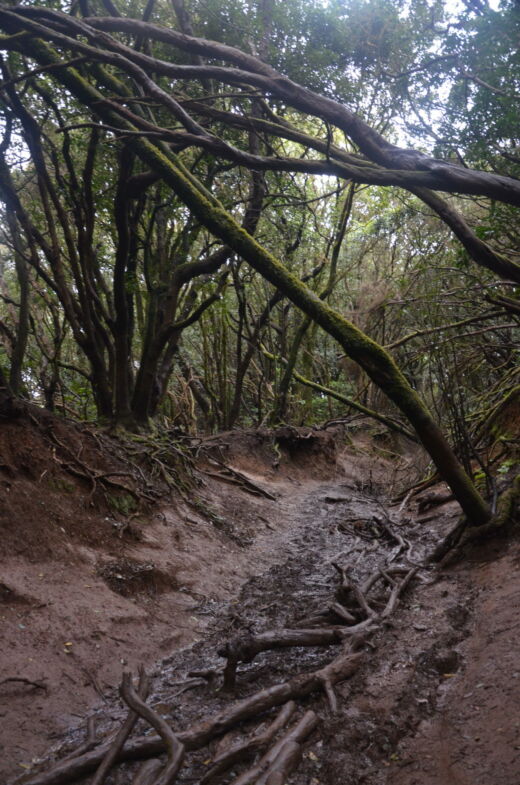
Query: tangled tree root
{"points": [[279, 754], [455, 544]]}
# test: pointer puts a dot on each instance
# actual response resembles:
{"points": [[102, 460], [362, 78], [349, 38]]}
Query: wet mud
{"points": [[437, 698]]}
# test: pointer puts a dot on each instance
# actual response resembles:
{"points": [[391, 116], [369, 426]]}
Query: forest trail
{"points": [[436, 701]]}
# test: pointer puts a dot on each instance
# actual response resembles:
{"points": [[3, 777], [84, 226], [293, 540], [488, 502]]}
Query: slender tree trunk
{"points": [[121, 329], [377, 363], [22, 328], [280, 410]]}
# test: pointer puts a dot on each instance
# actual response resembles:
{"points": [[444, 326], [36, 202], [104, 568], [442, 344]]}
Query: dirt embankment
{"points": [[90, 583], [87, 589]]}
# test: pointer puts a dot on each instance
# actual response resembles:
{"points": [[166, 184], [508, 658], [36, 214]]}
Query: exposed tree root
{"points": [[196, 737], [251, 746], [416, 488], [283, 756], [148, 772], [124, 732], [429, 500], [90, 740], [227, 474], [245, 648], [174, 748], [343, 613], [360, 614], [362, 619], [80, 469], [453, 546]]}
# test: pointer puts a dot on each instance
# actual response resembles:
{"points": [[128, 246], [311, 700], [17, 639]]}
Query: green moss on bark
{"points": [[377, 363]]}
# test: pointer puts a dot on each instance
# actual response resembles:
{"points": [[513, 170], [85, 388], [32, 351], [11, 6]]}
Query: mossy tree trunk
{"points": [[377, 363]]}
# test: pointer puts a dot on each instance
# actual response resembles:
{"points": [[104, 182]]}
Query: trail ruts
{"points": [[363, 611]]}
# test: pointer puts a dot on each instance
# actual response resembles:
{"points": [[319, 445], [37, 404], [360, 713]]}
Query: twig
{"points": [[90, 676], [38, 685], [405, 501]]}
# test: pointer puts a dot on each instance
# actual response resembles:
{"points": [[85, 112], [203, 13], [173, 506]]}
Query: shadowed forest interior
{"points": [[255, 251]]}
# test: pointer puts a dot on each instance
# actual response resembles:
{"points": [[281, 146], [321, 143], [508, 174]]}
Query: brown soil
{"points": [[86, 591]]}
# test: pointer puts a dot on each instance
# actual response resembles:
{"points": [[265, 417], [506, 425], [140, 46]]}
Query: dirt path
{"points": [[76, 610], [437, 700]]}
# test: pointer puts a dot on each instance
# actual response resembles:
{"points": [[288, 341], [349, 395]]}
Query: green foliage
{"points": [[103, 341]]}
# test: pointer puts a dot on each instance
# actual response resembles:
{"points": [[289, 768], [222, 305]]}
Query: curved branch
{"points": [[441, 175]]}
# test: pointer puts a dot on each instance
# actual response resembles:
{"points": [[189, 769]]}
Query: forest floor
{"points": [[86, 593]]}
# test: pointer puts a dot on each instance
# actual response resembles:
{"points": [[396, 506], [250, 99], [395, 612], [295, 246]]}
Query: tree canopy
{"points": [[211, 210]]}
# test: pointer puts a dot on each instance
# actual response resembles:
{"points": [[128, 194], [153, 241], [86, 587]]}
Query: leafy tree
{"points": [[216, 124]]}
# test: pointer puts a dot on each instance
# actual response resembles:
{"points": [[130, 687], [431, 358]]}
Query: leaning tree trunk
{"points": [[377, 363]]}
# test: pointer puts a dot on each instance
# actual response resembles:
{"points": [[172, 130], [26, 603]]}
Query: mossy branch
{"points": [[375, 361], [391, 424]]}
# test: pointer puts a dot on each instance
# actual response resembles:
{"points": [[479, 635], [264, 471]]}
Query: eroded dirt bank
{"points": [[435, 701], [84, 594]]}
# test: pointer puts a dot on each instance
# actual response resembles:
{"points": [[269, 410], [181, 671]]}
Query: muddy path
{"points": [[426, 706], [84, 596]]}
